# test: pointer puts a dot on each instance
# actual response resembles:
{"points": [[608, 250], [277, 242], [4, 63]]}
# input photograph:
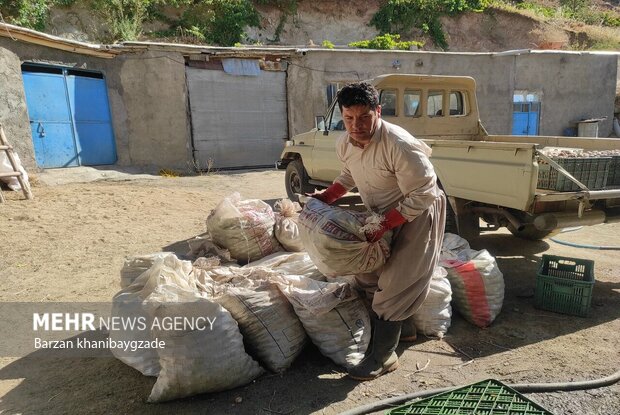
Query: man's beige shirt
{"points": [[392, 170]]}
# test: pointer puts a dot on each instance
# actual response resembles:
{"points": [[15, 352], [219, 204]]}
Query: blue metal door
{"points": [[69, 117], [519, 123], [88, 99], [50, 119], [525, 118], [532, 121]]}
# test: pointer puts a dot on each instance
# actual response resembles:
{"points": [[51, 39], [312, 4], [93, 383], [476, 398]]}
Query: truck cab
{"points": [[428, 106], [489, 177]]}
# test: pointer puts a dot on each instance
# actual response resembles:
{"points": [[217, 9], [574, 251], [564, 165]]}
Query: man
{"points": [[392, 171]]}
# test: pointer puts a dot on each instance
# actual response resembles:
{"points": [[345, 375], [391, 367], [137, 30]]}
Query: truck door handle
{"points": [[41, 130]]}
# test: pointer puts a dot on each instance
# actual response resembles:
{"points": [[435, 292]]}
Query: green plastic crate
{"points": [[489, 397], [613, 179], [564, 285], [591, 171]]}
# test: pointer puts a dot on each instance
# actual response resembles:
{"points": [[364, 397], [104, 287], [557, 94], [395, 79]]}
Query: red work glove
{"points": [[333, 193], [392, 219]]}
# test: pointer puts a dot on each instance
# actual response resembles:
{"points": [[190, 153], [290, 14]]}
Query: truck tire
{"points": [[296, 180], [451, 226]]}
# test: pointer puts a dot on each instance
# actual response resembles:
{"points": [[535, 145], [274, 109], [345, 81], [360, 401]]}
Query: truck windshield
{"points": [[387, 99], [335, 122]]}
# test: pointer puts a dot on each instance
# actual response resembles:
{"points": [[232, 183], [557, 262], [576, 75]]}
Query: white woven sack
{"points": [[290, 263], [477, 286], [7, 167], [195, 360], [451, 245], [333, 239], [128, 305], [135, 265], [434, 316], [335, 318], [286, 228], [204, 247], [271, 330], [244, 227]]}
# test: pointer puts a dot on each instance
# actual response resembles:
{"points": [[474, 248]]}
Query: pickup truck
{"points": [[490, 177]]}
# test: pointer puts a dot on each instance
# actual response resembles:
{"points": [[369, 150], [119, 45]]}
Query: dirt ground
{"points": [[69, 243]]}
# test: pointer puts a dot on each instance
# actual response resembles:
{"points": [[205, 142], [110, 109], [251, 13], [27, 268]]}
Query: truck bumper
{"points": [[281, 164], [550, 221]]}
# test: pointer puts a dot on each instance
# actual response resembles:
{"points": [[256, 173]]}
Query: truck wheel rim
{"points": [[295, 183]]}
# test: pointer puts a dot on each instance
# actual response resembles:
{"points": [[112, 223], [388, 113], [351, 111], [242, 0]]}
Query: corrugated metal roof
{"points": [[220, 51], [55, 42], [110, 51]]}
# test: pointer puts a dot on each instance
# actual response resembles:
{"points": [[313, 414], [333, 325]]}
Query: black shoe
{"points": [[380, 357]]}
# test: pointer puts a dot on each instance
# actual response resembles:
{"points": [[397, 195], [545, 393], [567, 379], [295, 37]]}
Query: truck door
{"points": [[325, 164]]}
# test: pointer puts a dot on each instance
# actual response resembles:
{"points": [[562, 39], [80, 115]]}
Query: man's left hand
{"points": [[392, 219], [375, 235]]}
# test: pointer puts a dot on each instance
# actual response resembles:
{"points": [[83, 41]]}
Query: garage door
{"points": [[237, 121], [69, 116]]}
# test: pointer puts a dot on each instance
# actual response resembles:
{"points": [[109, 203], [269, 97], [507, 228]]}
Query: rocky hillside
{"points": [[536, 24], [496, 29]]}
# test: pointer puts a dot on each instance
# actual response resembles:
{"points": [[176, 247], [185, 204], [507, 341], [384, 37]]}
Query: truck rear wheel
{"points": [[451, 226], [296, 180]]}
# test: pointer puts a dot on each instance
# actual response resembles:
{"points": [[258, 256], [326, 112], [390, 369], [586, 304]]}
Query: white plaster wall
{"points": [[571, 82]]}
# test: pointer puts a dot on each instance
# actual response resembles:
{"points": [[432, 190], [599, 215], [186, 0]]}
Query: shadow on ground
{"points": [[519, 322], [38, 383], [74, 386]]}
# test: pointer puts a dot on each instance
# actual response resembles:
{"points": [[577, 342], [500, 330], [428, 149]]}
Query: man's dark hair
{"points": [[358, 93]]}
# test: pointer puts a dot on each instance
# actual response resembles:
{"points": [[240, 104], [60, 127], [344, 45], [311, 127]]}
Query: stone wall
{"points": [[13, 111], [147, 95]]}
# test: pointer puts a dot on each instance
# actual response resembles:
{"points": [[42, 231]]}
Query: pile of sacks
{"points": [[264, 282], [255, 318], [333, 237]]}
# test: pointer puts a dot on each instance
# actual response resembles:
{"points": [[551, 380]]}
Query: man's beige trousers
{"points": [[398, 288]]}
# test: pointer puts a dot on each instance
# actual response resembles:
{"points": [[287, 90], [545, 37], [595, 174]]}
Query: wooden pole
{"points": [[9, 153]]}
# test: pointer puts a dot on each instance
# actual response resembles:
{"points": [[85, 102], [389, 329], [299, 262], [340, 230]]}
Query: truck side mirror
{"points": [[319, 123]]}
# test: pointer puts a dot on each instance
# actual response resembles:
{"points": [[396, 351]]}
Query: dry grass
{"points": [[169, 173], [559, 26], [603, 38]]}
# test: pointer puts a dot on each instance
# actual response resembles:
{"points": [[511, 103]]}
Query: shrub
{"points": [[400, 16], [221, 21], [29, 13], [537, 9], [386, 42]]}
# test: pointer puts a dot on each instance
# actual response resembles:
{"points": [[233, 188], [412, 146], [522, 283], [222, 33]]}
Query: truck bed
{"points": [[503, 170], [589, 143]]}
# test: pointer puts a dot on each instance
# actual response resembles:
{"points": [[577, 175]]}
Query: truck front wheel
{"points": [[296, 180]]}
